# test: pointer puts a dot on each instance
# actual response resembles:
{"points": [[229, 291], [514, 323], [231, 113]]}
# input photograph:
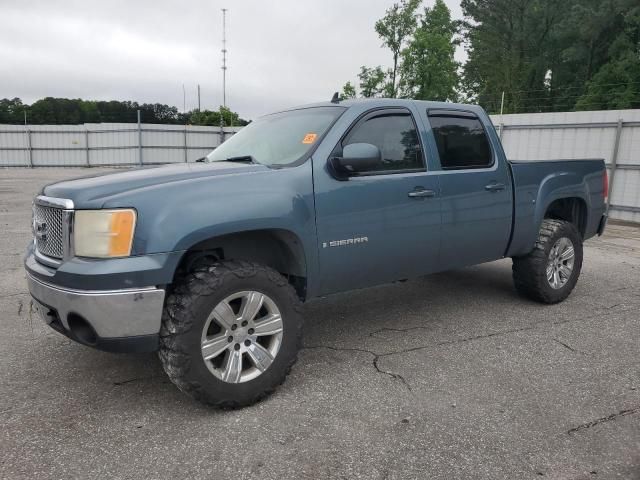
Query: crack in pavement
{"points": [[568, 347], [608, 418], [490, 335], [131, 380], [613, 306], [397, 376], [8, 295], [376, 359], [390, 329]]}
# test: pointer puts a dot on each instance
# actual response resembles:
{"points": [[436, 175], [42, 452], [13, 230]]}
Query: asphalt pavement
{"points": [[449, 376]]}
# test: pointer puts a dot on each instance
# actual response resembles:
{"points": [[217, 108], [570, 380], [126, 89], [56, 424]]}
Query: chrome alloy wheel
{"points": [[560, 264], [242, 336]]}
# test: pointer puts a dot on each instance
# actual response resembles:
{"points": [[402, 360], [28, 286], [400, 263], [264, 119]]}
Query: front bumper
{"points": [[126, 320]]}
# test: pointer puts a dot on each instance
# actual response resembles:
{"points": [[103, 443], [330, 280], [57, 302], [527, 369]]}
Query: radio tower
{"points": [[224, 57]]}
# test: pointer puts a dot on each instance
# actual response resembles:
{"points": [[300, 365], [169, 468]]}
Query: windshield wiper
{"points": [[242, 159]]}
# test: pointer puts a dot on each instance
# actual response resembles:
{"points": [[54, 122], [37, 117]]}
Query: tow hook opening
{"points": [[81, 329]]}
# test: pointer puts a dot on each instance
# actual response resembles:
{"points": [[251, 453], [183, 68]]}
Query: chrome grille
{"points": [[48, 226]]}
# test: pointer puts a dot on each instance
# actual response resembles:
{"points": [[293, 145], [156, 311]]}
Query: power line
{"points": [[554, 108], [560, 89]]}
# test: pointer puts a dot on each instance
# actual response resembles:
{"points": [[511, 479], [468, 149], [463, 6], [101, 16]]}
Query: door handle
{"points": [[495, 187], [420, 192]]}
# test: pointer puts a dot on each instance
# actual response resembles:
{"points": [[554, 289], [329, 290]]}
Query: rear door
{"points": [[475, 188]]}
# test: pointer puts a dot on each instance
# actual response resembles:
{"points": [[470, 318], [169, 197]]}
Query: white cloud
{"points": [[280, 53]]}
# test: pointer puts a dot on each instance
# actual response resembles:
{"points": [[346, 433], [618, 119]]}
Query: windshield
{"points": [[278, 139]]}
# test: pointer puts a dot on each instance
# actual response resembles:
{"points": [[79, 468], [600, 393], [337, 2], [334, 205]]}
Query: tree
{"points": [[586, 42], [114, 111], [12, 111], [616, 85], [394, 29], [372, 81], [429, 70], [160, 113], [509, 45], [542, 53], [209, 117], [348, 91], [56, 111], [62, 111]]}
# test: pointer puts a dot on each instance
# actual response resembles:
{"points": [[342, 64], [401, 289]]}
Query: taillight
{"points": [[606, 184]]}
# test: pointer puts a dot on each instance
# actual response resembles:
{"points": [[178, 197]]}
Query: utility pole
{"points": [[224, 57], [501, 113], [224, 74], [184, 99], [198, 97]]}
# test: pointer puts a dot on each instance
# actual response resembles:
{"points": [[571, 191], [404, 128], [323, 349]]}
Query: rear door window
{"points": [[461, 139]]}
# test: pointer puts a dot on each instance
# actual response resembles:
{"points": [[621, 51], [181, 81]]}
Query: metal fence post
{"points": [[139, 140], [614, 161], [86, 145], [29, 146], [185, 144]]}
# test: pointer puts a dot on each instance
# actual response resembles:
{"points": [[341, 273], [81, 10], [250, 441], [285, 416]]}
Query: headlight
{"points": [[104, 233]]}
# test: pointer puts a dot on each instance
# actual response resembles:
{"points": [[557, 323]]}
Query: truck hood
{"points": [[87, 192]]}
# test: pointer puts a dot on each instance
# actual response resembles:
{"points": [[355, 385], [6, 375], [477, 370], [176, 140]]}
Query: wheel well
{"points": [[281, 250], [572, 210]]}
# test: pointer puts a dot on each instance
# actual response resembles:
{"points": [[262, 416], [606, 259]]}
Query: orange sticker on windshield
{"points": [[309, 138]]}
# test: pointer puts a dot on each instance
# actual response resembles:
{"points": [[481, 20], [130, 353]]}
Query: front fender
{"points": [[177, 215]]}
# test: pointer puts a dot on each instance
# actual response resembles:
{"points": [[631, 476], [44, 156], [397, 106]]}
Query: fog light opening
{"points": [[81, 329]]}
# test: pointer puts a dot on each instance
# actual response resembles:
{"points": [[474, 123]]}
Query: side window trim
{"points": [[390, 111], [452, 113]]}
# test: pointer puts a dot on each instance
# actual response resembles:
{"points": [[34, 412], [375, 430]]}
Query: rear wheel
{"points": [[550, 272], [230, 333]]}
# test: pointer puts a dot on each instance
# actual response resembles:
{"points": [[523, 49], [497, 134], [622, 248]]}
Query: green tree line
{"points": [[545, 55], [64, 111]]}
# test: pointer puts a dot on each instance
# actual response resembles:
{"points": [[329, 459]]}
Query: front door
{"points": [[384, 223]]}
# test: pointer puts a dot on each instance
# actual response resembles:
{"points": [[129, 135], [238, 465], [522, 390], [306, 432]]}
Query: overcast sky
{"points": [[281, 53]]}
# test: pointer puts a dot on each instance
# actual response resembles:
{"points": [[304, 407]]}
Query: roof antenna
{"points": [[336, 98]]}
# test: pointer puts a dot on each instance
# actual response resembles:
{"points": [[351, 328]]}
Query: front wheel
{"points": [[230, 333], [550, 272]]}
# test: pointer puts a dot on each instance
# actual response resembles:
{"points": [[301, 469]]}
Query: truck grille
{"points": [[48, 225]]}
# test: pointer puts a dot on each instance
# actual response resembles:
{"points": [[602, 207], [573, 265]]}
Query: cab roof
{"points": [[369, 103]]}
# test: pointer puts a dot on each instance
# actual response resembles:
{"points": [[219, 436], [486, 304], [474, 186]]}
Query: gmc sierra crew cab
{"points": [[208, 263]]}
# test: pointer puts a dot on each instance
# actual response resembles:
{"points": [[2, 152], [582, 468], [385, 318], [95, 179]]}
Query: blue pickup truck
{"points": [[208, 263]]}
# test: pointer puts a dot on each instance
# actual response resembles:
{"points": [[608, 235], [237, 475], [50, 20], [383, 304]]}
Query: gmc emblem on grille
{"points": [[40, 230]]}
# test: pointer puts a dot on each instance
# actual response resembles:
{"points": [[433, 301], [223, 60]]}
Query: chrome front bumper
{"points": [[114, 315]]}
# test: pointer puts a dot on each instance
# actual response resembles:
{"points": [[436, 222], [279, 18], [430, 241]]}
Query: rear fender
{"points": [[558, 186], [531, 205]]}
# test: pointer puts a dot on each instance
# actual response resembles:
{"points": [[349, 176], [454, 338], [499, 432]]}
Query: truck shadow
{"points": [[445, 298]]}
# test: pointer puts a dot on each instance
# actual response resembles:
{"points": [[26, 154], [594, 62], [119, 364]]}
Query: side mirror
{"points": [[357, 157]]}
